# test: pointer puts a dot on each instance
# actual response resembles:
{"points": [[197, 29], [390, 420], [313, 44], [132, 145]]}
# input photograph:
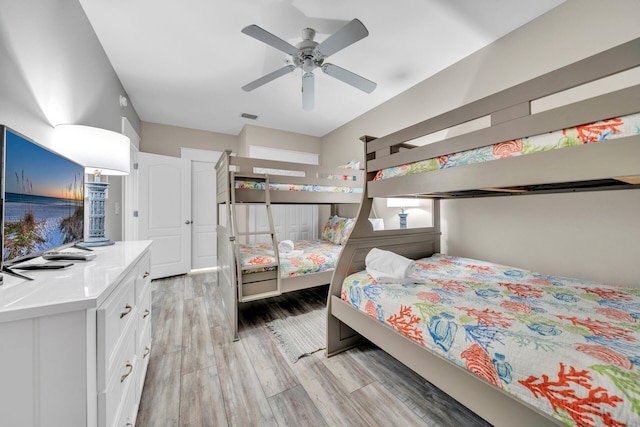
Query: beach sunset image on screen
{"points": [[43, 199]]}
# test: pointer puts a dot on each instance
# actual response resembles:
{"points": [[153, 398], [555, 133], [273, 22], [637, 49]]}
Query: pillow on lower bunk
{"points": [[337, 229], [346, 231], [351, 164]]}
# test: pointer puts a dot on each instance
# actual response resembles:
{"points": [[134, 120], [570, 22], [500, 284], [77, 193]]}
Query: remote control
{"points": [[74, 256], [43, 266]]}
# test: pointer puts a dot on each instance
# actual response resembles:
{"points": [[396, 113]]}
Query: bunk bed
{"points": [[456, 340], [253, 264]]}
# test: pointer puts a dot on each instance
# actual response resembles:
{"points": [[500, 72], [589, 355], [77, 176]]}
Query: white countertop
{"points": [[83, 285]]}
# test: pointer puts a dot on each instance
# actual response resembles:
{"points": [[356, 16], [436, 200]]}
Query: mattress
{"points": [[569, 347], [590, 133], [317, 256], [256, 185]]}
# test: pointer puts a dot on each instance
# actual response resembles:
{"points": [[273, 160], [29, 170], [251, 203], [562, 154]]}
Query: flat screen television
{"points": [[43, 199]]}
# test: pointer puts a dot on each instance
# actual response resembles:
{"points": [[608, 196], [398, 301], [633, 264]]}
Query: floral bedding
{"points": [[351, 164], [255, 185], [568, 347], [585, 134], [338, 229], [317, 256]]}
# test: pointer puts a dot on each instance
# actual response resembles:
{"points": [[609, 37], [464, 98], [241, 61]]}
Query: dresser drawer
{"points": [[128, 411], [116, 316], [144, 354], [120, 382], [143, 277], [144, 315]]}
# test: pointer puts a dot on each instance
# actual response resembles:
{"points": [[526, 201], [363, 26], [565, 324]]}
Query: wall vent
{"points": [[248, 116]]}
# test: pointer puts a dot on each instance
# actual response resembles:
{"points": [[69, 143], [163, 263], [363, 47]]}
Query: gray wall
{"points": [[592, 235], [167, 140], [54, 71]]}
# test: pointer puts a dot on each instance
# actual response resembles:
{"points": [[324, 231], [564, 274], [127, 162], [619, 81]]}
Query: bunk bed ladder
{"points": [[274, 288]]}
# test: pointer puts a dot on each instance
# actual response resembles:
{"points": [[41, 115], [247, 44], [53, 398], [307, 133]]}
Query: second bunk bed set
{"points": [[255, 264]]}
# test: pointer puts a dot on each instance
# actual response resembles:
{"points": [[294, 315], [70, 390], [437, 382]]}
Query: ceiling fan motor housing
{"points": [[307, 57]]}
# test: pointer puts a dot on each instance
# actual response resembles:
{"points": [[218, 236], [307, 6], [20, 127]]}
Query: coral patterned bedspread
{"points": [[256, 185], [568, 347], [317, 256], [590, 133]]}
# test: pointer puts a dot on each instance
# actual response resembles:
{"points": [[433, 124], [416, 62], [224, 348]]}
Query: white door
{"points": [[165, 212], [203, 206], [203, 214]]}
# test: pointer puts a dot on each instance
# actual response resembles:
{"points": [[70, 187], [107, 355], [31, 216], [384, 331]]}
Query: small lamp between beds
{"points": [[402, 203]]}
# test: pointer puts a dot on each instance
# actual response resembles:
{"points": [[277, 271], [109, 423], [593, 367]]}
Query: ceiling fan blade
{"points": [[345, 36], [349, 78], [308, 89], [268, 38], [268, 77]]}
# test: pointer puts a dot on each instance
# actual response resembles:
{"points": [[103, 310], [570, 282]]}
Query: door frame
{"points": [[130, 186]]}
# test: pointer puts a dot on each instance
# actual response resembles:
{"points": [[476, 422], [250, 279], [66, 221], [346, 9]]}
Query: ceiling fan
{"points": [[309, 55]]}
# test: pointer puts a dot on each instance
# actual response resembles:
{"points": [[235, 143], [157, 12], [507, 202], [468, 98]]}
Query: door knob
{"points": [[188, 222]]}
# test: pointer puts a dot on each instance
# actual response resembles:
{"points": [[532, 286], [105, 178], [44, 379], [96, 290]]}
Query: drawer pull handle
{"points": [[130, 367], [146, 313], [147, 350], [127, 310], [145, 275]]}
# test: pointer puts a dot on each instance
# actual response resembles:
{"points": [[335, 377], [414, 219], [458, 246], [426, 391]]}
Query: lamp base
{"points": [[97, 199], [95, 242], [403, 220]]}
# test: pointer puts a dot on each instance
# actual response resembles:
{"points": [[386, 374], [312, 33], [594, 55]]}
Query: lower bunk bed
{"points": [[567, 349], [300, 264], [263, 270]]}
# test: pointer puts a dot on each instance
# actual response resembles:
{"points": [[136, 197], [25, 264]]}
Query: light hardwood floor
{"points": [[198, 376]]}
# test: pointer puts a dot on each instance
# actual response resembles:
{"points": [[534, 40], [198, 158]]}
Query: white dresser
{"points": [[75, 342]]}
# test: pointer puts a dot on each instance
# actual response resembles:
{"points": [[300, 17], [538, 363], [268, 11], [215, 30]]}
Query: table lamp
{"points": [[101, 152], [402, 203]]}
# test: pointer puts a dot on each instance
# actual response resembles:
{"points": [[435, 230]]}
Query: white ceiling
{"points": [[183, 63]]}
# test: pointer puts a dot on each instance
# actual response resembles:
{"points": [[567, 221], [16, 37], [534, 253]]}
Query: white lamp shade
{"points": [[96, 149], [397, 202]]}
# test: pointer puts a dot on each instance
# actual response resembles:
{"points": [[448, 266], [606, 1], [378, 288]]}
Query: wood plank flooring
{"points": [[198, 376]]}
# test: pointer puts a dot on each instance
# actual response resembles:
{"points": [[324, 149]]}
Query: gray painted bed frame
{"points": [[582, 168], [267, 284]]}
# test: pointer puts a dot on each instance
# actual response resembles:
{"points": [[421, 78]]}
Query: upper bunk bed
{"points": [[253, 264], [512, 149], [589, 144], [294, 183]]}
